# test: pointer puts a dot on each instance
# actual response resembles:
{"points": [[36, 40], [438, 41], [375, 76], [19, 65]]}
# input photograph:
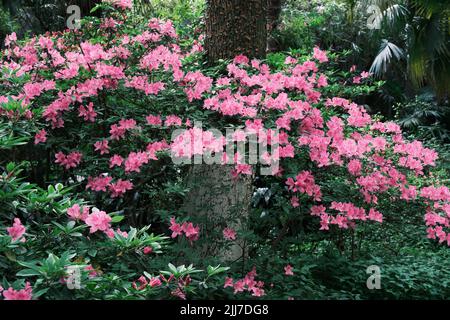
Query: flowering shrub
{"points": [[102, 105]]}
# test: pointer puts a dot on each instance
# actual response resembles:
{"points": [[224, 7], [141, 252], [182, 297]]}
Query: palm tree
{"points": [[421, 30]]}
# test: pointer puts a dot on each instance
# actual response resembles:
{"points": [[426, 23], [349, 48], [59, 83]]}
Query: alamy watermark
{"points": [[374, 280], [73, 280], [237, 146], [73, 22], [374, 20]]}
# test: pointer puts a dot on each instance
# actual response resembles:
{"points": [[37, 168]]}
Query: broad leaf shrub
{"points": [[90, 114]]}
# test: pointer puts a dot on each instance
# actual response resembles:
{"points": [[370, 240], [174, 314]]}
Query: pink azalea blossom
{"points": [[17, 230], [23, 294], [357, 80], [87, 112], [191, 232], [148, 250], [71, 160], [98, 221], [154, 120], [295, 202], [122, 4], [99, 183], [77, 213], [135, 160], [102, 146], [228, 282], [40, 137], [155, 282], [92, 272], [320, 55], [119, 188], [229, 234], [175, 228], [288, 270], [115, 160]]}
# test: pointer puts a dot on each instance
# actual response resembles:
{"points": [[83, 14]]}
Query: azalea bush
{"points": [[88, 116]]}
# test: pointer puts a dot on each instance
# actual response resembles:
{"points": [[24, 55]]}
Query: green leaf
{"points": [[117, 219], [28, 273]]}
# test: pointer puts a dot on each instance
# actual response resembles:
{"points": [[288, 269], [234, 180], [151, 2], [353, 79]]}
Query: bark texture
{"points": [[223, 201], [236, 27]]}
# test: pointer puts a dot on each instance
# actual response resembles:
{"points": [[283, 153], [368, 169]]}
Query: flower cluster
{"points": [[248, 283], [187, 228], [22, 294]]}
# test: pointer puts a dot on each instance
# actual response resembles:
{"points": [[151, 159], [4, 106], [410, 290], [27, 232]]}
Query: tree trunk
{"points": [[233, 27], [236, 27], [222, 201], [273, 20]]}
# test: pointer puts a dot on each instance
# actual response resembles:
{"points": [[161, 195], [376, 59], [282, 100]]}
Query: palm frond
{"points": [[384, 57]]}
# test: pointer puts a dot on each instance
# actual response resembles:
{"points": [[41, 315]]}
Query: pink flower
{"points": [[88, 112], [17, 230], [365, 75], [154, 120], [122, 4], [238, 286], [257, 292], [143, 283], [92, 272], [175, 228], [228, 282], [155, 282], [354, 167], [241, 59], [375, 215], [229, 234], [98, 184], [248, 283], [190, 231], [119, 188], [288, 270], [320, 55], [187, 228], [201, 84], [317, 210], [135, 160], [10, 38], [41, 136], [72, 160], [148, 250], [290, 60], [102, 146], [115, 160], [98, 220], [127, 124], [117, 132], [356, 80], [76, 213], [173, 121], [122, 233], [178, 292], [109, 233], [324, 222], [23, 294], [304, 182], [295, 202]]}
